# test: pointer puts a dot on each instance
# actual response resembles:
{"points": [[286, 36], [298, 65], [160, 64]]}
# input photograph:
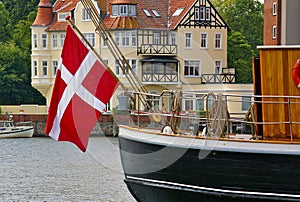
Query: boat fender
{"points": [[167, 130], [296, 73]]}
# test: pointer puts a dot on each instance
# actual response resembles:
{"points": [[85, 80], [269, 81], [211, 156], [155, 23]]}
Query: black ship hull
{"points": [[173, 168]]}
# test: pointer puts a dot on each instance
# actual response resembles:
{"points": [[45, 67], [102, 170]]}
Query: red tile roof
{"points": [[153, 22], [65, 6], [113, 22], [58, 26], [122, 23], [44, 15], [124, 2]]}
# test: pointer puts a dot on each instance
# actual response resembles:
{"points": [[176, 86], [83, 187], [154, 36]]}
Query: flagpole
{"points": [[95, 52]]}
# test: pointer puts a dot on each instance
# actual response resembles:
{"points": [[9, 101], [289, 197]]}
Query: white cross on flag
{"points": [[83, 86]]}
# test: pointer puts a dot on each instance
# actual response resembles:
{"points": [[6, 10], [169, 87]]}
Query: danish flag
{"points": [[83, 86]]}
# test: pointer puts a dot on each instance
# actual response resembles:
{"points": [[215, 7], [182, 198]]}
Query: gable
{"points": [[202, 14]]}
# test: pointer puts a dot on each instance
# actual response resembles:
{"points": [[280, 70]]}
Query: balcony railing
{"points": [[227, 76], [218, 78], [159, 77], [157, 49]]}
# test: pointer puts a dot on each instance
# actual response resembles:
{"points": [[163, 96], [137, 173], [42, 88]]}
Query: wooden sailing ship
{"points": [[220, 164]]}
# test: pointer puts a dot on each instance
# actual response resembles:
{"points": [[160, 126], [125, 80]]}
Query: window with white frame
{"points": [[192, 68], [44, 41], [218, 66], [126, 38], [45, 67], [199, 103], [117, 38], [90, 37], [203, 40], [274, 32], [173, 38], [132, 10], [123, 10], [275, 8], [218, 41], [188, 40], [104, 42], [133, 38], [197, 16], [156, 38], [207, 13], [115, 10], [34, 41], [35, 68], [188, 105], [54, 41], [132, 63], [54, 67], [62, 39], [62, 16], [202, 12], [85, 15]]}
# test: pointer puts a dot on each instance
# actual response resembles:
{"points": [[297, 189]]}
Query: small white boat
{"points": [[9, 130]]}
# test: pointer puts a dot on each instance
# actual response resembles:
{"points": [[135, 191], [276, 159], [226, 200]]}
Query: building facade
{"points": [[281, 26], [169, 44]]}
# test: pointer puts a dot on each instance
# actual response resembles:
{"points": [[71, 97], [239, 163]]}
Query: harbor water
{"points": [[41, 169]]}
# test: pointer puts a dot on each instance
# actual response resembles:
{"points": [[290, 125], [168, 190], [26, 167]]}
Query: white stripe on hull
{"points": [[224, 191], [231, 145]]}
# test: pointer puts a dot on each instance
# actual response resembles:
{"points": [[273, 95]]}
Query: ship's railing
{"points": [[272, 117]]}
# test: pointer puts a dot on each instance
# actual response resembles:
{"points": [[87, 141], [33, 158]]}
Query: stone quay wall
{"points": [[105, 125]]}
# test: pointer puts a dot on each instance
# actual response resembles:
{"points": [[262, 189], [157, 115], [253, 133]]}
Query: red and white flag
{"points": [[83, 86]]}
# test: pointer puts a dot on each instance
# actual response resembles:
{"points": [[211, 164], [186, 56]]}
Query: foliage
{"points": [[15, 84], [245, 19], [16, 17], [242, 57], [22, 32], [4, 23]]}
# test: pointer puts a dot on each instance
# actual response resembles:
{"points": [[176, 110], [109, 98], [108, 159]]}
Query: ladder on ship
{"points": [[129, 73]]}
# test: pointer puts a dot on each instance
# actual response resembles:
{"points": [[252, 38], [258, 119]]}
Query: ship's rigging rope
{"points": [[250, 118], [217, 116], [176, 107], [123, 63]]}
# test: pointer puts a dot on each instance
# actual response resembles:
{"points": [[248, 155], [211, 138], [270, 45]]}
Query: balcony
{"points": [[227, 76], [160, 69], [157, 49], [156, 42]]}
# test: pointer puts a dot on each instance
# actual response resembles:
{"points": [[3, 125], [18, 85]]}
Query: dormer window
{"points": [[62, 16], [123, 10]]}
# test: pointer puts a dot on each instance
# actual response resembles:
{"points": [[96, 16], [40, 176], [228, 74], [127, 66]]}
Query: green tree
{"points": [[22, 33], [240, 56], [15, 86], [244, 16], [4, 24], [245, 19], [19, 9]]}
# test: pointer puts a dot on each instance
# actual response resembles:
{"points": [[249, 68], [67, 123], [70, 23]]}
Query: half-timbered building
{"points": [[170, 44]]}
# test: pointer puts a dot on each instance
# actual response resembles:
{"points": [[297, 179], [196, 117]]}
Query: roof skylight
{"points": [[178, 12], [147, 13], [155, 13]]}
